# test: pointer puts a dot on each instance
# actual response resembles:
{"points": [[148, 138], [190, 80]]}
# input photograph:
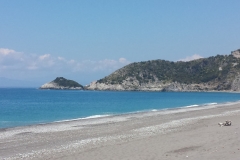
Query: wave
{"points": [[208, 104], [200, 105], [96, 116], [89, 117], [190, 106]]}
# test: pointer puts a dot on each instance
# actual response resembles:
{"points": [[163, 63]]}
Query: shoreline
{"points": [[142, 112], [46, 115], [87, 137], [196, 106], [131, 114]]}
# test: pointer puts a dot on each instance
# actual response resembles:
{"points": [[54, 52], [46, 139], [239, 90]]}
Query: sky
{"points": [[86, 40]]}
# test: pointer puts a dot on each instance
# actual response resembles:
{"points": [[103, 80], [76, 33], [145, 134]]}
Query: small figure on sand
{"points": [[226, 123]]}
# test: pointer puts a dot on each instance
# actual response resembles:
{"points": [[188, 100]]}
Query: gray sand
{"points": [[187, 133]]}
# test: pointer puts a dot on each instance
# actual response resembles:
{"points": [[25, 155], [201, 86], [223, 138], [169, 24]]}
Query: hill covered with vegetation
{"points": [[62, 83], [219, 72]]}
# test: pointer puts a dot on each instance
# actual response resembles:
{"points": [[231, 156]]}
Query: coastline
{"points": [[136, 136], [132, 114], [47, 110]]}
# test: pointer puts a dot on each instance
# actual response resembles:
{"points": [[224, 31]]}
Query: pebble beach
{"points": [[183, 133]]}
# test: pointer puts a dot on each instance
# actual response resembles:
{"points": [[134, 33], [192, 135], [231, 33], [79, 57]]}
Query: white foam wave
{"points": [[95, 116], [89, 117], [194, 105]]}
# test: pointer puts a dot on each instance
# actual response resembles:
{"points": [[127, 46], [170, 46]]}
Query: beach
{"points": [[183, 133]]}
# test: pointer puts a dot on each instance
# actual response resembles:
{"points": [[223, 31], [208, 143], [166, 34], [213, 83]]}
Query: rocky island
{"points": [[216, 73], [62, 83]]}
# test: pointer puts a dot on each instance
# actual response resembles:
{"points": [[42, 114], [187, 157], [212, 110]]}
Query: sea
{"points": [[30, 106]]}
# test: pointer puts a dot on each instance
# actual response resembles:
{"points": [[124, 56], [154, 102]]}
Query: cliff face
{"points": [[62, 83], [152, 86], [218, 73]]}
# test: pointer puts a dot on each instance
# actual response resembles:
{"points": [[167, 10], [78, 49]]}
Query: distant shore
{"points": [[191, 133]]}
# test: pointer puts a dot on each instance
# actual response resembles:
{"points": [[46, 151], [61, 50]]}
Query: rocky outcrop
{"points": [[217, 73], [236, 83], [62, 83], [156, 86], [236, 53]]}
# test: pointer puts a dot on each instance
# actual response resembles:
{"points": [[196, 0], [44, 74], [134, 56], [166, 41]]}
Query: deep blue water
{"points": [[20, 107]]}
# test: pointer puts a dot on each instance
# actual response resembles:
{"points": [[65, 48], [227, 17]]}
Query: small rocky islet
{"points": [[216, 73], [62, 83]]}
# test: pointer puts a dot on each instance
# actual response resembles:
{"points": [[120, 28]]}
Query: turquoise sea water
{"points": [[20, 107]]}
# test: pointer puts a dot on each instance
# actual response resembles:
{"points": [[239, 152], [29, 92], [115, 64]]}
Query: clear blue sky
{"points": [[85, 40]]}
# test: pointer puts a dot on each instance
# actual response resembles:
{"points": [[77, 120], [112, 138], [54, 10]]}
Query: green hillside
{"points": [[66, 83], [217, 69]]}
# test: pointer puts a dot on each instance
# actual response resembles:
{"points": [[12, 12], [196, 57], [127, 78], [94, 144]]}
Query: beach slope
{"points": [[185, 133]]}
